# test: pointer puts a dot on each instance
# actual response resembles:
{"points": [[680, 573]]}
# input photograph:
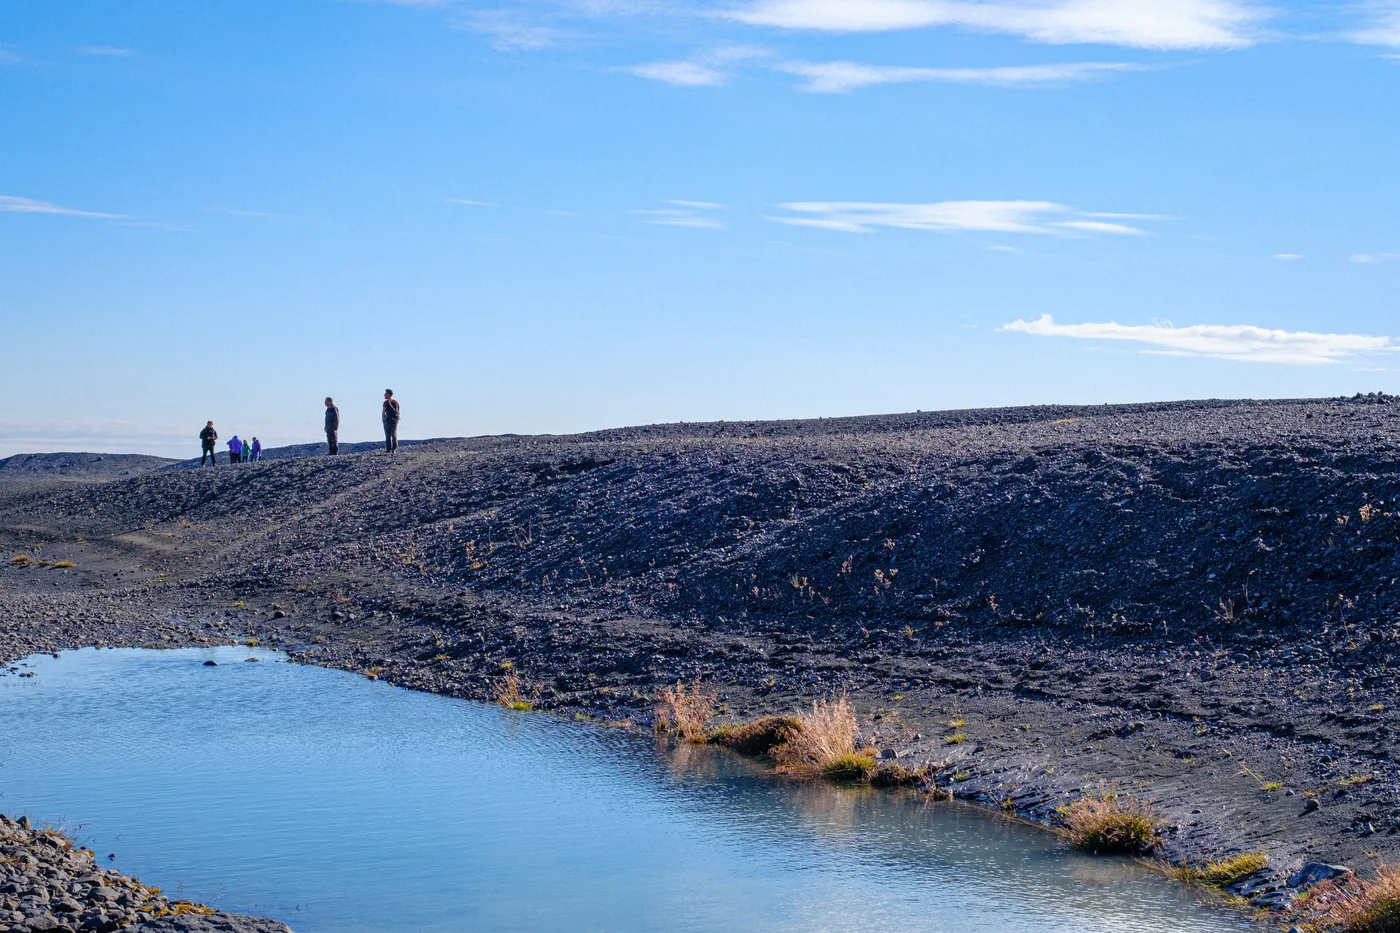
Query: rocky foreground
{"points": [[1196, 604], [47, 885]]}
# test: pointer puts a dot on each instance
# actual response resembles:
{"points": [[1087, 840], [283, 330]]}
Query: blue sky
{"points": [[559, 215]]}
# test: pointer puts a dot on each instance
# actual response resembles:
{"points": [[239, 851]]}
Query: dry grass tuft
{"points": [[1360, 906], [22, 560], [509, 695], [896, 775], [758, 737], [1222, 872], [825, 743], [62, 565], [1106, 825], [685, 710]]}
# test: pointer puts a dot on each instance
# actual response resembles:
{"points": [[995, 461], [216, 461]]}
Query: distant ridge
{"points": [[78, 466]]}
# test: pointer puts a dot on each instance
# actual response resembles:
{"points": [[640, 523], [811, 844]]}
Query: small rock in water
{"points": [[252, 659], [211, 663]]}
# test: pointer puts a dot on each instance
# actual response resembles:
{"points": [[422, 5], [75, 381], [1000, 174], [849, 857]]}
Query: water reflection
{"points": [[340, 804]]}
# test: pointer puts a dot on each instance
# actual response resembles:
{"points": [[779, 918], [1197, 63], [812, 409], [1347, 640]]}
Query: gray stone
{"points": [[1313, 872]]}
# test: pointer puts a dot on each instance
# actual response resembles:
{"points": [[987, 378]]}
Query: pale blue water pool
{"points": [[339, 804]]}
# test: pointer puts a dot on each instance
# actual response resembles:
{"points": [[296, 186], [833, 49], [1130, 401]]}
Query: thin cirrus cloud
{"points": [[1241, 342], [951, 216], [1149, 24], [17, 205], [841, 77], [680, 73], [1382, 25], [1366, 259], [507, 32], [696, 214], [709, 68], [107, 51]]}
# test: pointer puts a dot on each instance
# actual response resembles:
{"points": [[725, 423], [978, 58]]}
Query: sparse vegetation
{"points": [[1222, 872], [825, 743], [62, 565], [957, 738], [758, 737], [21, 560], [685, 710], [1106, 824], [509, 694], [1356, 905]]}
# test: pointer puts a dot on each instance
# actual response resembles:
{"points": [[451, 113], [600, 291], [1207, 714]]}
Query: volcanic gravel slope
{"points": [[1196, 600]]}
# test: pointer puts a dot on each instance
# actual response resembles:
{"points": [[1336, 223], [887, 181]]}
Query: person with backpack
{"points": [[235, 450], [390, 416], [332, 427], [207, 437], [256, 451]]}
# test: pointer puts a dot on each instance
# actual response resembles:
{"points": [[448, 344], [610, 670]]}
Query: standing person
{"points": [[332, 427], [390, 417], [207, 437], [257, 450], [235, 449]]}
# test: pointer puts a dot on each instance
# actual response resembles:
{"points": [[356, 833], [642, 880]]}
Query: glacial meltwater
{"points": [[339, 804]]}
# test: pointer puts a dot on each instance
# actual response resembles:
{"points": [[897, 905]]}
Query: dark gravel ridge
{"points": [[1194, 601], [50, 885]]}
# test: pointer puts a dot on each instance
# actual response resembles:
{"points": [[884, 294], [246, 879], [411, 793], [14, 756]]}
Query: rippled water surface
{"points": [[340, 804]]}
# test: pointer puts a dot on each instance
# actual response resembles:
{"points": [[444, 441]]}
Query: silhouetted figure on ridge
{"points": [[207, 437], [332, 427], [390, 417]]}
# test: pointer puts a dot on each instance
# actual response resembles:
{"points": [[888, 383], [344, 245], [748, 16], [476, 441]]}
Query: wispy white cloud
{"points": [[8, 56], [237, 212], [508, 32], [697, 214], [1382, 24], [706, 68], [837, 77], [1229, 342], [1367, 259], [9, 203], [107, 50], [1154, 24], [1288, 257], [977, 216], [680, 74]]}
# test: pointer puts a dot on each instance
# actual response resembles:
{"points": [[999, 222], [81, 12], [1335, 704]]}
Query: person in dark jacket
{"points": [[254, 451], [332, 427], [390, 416], [235, 450], [207, 437]]}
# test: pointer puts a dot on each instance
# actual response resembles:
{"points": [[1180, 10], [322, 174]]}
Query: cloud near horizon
{"points": [[839, 77], [12, 204], [972, 216], [1149, 24], [1241, 342], [696, 214]]}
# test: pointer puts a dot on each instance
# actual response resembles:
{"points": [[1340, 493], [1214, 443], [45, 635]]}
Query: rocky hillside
{"points": [[1207, 517]]}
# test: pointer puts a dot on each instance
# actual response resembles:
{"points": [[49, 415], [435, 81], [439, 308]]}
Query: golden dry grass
{"points": [[1360, 906], [825, 743], [509, 695], [1222, 872], [1107, 824], [685, 710]]}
